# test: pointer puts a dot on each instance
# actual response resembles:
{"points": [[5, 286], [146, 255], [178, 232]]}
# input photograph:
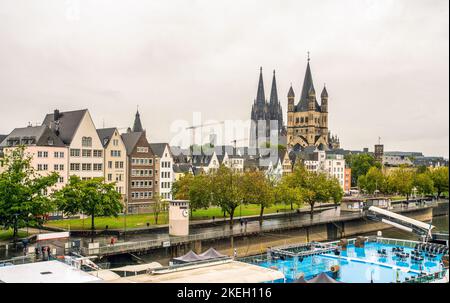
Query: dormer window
{"points": [[50, 141]]}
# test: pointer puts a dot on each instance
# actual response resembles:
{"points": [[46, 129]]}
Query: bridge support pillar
{"points": [[198, 247]]}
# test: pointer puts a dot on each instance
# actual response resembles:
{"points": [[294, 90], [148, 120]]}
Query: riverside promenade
{"points": [[325, 224]]}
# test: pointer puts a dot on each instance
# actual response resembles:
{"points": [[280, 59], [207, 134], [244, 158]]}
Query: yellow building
{"points": [[115, 160]]}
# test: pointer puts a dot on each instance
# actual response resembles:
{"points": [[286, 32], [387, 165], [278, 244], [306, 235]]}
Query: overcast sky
{"points": [[385, 63]]}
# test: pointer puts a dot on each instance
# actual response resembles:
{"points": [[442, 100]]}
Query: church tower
{"points": [[308, 120], [264, 112]]}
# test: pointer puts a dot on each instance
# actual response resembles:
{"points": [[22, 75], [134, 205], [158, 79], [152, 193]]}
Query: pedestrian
{"points": [[245, 222], [213, 218], [241, 222], [112, 241]]}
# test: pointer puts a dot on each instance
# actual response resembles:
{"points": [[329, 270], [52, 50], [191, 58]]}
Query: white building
{"points": [[332, 164], [164, 174], [77, 130]]}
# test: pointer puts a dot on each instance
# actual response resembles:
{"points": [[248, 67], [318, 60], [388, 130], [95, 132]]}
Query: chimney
{"points": [[56, 115]]}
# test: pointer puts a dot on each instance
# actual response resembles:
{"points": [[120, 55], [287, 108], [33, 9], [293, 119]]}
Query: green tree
{"points": [[226, 190], [295, 180], [360, 165], [284, 194], [258, 189], [159, 205], [440, 180], [335, 190], [180, 188], [199, 192], [423, 183], [373, 180], [23, 192], [316, 189], [402, 181], [91, 197], [421, 169]]}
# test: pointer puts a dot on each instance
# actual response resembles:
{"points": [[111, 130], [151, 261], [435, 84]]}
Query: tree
{"points": [[159, 206], [373, 180], [402, 181], [23, 198], [226, 190], [257, 189], [92, 197], [180, 188], [287, 195], [423, 183], [440, 180], [316, 189], [199, 192], [295, 180], [335, 191], [360, 165]]}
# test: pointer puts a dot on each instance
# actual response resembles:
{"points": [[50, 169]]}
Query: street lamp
{"points": [[125, 219], [28, 219]]}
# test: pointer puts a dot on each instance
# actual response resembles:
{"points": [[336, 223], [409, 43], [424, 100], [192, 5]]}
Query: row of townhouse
{"points": [[69, 143]]}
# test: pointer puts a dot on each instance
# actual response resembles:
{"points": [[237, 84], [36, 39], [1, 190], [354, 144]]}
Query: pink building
{"points": [[49, 154]]}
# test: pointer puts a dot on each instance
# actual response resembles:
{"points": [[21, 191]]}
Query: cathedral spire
{"points": [[260, 97], [273, 92], [137, 126]]}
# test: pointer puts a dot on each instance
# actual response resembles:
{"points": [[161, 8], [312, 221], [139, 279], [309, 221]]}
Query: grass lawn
{"points": [[8, 233], [141, 220]]}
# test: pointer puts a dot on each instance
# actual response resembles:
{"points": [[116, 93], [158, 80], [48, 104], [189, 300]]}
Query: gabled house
{"points": [[47, 151], [115, 158], [164, 174], [141, 169], [77, 131]]}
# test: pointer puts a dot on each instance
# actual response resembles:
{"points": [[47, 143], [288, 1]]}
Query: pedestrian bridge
{"points": [[400, 221]]}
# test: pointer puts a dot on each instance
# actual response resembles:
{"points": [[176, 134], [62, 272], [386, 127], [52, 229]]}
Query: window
{"points": [[115, 153], [86, 142], [86, 167], [109, 177], [115, 142], [61, 179], [74, 152], [56, 167], [141, 149], [87, 153], [98, 153], [98, 166], [42, 154], [61, 154], [110, 164], [56, 154], [74, 166]]}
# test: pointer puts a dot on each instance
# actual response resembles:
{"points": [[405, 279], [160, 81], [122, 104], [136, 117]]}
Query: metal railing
{"points": [[428, 278]]}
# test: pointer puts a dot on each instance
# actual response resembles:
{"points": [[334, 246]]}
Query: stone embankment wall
{"points": [[258, 244]]}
